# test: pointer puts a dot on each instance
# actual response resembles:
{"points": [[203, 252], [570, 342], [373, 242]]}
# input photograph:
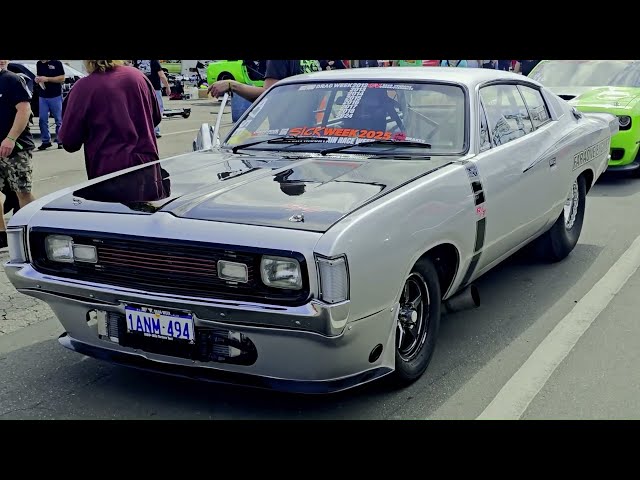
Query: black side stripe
{"points": [[476, 185], [481, 223]]}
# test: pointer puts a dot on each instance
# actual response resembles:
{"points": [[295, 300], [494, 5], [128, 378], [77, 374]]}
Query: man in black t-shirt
{"points": [[276, 70], [49, 79], [153, 70], [16, 141]]}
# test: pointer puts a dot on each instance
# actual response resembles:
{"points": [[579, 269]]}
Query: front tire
{"points": [[562, 237], [418, 323]]}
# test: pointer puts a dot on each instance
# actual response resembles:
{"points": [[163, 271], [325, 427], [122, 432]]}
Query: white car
{"points": [[316, 247]]}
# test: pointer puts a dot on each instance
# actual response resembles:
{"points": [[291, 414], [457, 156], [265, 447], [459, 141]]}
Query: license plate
{"points": [[158, 323]]}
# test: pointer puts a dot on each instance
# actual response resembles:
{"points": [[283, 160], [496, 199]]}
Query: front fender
{"points": [[384, 240]]}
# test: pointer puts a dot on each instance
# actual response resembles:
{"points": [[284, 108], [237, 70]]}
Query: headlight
{"points": [[281, 272], [17, 246], [85, 253], [624, 121], [333, 279], [60, 248], [233, 271]]}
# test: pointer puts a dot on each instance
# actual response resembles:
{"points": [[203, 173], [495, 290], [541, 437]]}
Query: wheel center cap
{"points": [[414, 316]]}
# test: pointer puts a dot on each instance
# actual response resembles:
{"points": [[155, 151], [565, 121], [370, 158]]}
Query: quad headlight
{"points": [[60, 248], [281, 272], [233, 271]]}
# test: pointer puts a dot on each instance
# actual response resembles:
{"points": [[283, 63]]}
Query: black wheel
{"points": [[225, 76], [418, 322], [562, 237], [186, 114]]}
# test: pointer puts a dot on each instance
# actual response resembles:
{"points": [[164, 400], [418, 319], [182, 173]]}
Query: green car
{"points": [[609, 86], [172, 66], [233, 70]]}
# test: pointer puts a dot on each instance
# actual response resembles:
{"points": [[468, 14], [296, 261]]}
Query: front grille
{"points": [[211, 344], [174, 267]]}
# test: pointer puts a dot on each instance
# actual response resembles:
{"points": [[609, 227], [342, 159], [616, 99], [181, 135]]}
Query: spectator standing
{"points": [[368, 63], [255, 71], [49, 78], [16, 142], [275, 70], [112, 112], [153, 70], [489, 63], [454, 63]]}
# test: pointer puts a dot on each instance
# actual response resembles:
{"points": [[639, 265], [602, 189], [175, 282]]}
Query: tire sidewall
{"points": [[409, 371], [564, 239]]}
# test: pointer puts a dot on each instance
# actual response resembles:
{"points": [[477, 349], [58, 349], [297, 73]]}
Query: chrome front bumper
{"points": [[311, 348], [316, 317]]}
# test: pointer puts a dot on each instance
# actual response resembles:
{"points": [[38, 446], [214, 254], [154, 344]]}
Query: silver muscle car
{"points": [[316, 247]]}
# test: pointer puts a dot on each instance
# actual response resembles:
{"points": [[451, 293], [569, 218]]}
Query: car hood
{"points": [[606, 97], [304, 193]]}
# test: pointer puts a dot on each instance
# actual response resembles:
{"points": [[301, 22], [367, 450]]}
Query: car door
{"points": [[515, 163]]}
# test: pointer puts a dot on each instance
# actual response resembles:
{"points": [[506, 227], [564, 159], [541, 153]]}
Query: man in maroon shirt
{"points": [[112, 112]]}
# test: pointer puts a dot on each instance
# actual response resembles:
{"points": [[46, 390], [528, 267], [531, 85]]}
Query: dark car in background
{"points": [[28, 70]]}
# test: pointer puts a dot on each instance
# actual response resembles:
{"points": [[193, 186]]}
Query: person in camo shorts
{"points": [[16, 141]]}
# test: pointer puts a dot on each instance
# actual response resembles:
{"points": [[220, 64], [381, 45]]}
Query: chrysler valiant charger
{"points": [[317, 245]]}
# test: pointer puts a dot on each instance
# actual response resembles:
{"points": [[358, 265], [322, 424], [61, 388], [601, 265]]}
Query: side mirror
{"points": [[576, 113], [208, 137], [204, 139]]}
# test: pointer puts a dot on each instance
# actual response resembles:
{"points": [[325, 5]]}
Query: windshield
{"points": [[355, 112], [629, 77], [578, 73]]}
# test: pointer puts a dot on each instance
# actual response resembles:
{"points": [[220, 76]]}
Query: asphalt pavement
{"points": [[555, 341]]}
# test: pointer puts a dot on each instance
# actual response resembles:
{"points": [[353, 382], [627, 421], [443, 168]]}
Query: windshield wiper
{"points": [[295, 139], [400, 143]]}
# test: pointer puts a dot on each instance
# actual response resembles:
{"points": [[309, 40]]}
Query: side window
{"points": [[506, 113], [485, 142], [537, 108]]}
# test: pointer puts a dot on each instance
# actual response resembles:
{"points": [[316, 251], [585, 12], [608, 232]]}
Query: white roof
{"points": [[465, 76]]}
